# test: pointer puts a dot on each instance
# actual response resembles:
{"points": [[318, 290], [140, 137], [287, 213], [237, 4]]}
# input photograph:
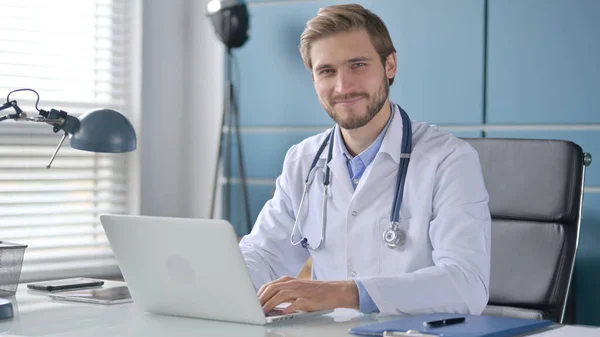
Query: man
{"points": [[442, 265]]}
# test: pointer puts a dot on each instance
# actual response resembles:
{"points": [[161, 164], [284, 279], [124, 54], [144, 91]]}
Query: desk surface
{"points": [[38, 315]]}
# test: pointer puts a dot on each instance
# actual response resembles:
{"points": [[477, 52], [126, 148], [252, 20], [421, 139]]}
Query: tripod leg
{"points": [[224, 120], [236, 118], [227, 164]]}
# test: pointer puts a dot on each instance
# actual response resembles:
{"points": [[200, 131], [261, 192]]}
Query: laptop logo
{"points": [[180, 269]]}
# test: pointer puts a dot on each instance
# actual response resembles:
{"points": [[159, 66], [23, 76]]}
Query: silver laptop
{"points": [[186, 267]]}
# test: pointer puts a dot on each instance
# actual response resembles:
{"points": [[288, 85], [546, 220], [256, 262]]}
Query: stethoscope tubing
{"points": [[406, 149]]}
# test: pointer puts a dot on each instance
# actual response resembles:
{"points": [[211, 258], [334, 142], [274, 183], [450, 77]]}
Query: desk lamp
{"points": [[101, 130]]}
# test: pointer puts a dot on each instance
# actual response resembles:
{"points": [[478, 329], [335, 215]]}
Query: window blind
{"points": [[75, 54]]}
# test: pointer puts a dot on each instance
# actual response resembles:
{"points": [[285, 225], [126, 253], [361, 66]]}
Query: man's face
{"points": [[350, 80]]}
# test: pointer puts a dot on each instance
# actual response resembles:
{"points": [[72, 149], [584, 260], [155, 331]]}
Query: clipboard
{"points": [[473, 326]]}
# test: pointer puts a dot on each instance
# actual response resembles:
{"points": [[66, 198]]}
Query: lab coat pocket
{"points": [[411, 255]]}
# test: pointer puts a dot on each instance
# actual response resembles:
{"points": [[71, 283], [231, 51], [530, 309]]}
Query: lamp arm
{"points": [[53, 117], [56, 151], [44, 120], [11, 104], [58, 118]]}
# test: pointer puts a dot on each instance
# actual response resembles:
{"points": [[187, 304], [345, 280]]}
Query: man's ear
{"points": [[391, 65]]}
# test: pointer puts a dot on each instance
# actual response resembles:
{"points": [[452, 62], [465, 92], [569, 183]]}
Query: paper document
{"points": [[570, 330]]}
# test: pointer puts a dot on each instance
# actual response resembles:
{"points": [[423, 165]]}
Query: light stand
{"points": [[230, 19]]}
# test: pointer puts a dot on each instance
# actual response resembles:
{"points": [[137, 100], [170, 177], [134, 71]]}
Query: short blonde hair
{"points": [[342, 19]]}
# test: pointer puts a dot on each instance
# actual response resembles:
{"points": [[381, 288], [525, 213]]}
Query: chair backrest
{"points": [[536, 192]]}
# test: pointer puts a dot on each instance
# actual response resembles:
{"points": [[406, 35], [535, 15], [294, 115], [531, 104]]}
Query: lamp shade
{"points": [[103, 130]]}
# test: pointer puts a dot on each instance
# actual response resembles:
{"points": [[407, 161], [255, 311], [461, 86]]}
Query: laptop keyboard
{"points": [[278, 312], [274, 312]]}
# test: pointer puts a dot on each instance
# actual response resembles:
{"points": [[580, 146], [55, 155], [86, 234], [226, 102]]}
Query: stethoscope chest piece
{"points": [[394, 236]]}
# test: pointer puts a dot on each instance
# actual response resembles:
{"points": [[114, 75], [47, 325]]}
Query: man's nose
{"points": [[345, 82]]}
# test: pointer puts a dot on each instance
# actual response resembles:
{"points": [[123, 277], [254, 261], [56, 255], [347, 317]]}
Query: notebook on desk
{"points": [[473, 326]]}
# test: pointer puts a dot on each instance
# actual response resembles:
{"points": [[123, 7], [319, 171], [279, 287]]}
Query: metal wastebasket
{"points": [[11, 261]]}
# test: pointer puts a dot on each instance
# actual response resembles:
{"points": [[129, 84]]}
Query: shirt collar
{"points": [[368, 154]]}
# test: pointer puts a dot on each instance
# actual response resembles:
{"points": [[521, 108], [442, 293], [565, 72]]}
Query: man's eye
{"points": [[359, 64], [326, 71]]}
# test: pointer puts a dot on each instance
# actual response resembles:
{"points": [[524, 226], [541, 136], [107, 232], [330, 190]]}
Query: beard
{"points": [[374, 105]]}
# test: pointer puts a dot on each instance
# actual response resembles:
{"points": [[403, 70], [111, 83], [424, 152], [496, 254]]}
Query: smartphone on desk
{"points": [[65, 284]]}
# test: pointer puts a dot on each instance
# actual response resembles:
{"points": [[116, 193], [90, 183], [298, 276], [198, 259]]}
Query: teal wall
{"points": [[495, 68]]}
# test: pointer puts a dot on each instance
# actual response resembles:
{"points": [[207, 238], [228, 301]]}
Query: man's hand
{"points": [[306, 295]]}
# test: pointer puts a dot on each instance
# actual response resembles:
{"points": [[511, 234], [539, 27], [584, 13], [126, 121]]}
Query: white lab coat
{"points": [[444, 266]]}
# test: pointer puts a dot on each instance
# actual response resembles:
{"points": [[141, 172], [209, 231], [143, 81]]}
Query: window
{"points": [[76, 55]]}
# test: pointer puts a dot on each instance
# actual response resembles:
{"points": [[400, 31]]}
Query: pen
{"points": [[443, 322]]}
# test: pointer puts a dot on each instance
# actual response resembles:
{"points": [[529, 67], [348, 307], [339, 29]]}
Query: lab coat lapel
{"points": [[392, 142], [388, 157], [340, 174], [378, 173]]}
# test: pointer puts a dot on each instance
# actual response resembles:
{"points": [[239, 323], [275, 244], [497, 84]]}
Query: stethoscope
{"points": [[393, 236]]}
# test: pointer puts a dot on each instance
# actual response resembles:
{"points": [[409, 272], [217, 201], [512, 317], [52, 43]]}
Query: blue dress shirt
{"points": [[356, 167]]}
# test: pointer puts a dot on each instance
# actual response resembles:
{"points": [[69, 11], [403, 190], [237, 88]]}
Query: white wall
{"points": [[182, 90]]}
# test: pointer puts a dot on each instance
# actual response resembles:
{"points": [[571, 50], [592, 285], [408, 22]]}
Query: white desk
{"points": [[38, 315]]}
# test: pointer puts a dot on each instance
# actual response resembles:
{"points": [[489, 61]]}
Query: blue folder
{"points": [[473, 326]]}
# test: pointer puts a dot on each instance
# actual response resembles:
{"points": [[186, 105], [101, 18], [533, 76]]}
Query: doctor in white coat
{"points": [[441, 263]]}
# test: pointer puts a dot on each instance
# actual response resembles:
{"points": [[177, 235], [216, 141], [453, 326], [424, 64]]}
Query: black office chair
{"points": [[536, 195]]}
